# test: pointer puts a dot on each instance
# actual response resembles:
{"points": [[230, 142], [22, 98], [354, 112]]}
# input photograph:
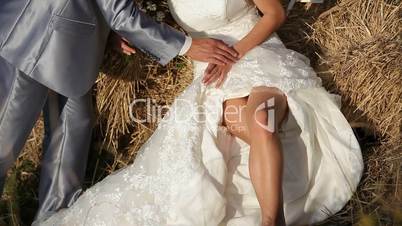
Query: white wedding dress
{"points": [[191, 172]]}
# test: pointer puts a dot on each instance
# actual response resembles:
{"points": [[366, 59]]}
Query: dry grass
{"points": [[118, 87], [360, 56], [355, 46], [361, 44]]}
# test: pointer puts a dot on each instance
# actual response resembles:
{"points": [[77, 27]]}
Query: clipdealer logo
{"points": [[154, 112]]}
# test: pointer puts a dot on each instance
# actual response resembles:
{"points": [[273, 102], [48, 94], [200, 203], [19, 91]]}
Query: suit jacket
{"points": [[60, 43]]}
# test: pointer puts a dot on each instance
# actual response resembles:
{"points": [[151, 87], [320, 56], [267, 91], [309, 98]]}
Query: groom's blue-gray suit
{"points": [[50, 52]]}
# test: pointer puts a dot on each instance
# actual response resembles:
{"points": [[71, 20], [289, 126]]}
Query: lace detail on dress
{"points": [[141, 194], [270, 64]]}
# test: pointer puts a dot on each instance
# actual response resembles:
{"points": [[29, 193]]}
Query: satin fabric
{"points": [[61, 43], [68, 128], [58, 45]]}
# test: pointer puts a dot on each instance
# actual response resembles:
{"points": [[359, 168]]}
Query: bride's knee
{"points": [[261, 123], [265, 122], [264, 119], [259, 91]]}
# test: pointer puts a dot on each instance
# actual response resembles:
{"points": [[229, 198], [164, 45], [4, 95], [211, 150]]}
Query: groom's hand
{"points": [[212, 51], [121, 45]]}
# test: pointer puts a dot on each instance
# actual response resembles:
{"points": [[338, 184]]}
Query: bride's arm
{"points": [[273, 17]]}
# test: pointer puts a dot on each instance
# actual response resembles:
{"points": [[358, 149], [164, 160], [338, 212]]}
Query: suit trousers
{"points": [[68, 129]]}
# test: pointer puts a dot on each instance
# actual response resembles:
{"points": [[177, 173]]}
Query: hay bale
{"points": [[361, 45]]}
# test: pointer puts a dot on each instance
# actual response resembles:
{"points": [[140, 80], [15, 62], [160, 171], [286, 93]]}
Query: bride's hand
{"points": [[216, 73]]}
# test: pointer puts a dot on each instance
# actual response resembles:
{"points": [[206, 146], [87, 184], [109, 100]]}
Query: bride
{"points": [[260, 142]]}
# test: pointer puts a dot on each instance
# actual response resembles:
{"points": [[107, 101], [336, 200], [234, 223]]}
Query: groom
{"points": [[50, 52]]}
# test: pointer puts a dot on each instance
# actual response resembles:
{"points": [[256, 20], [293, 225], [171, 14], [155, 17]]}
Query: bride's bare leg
{"points": [[266, 157], [266, 160], [235, 118]]}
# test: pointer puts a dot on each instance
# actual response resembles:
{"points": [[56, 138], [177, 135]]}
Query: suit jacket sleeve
{"points": [[159, 40]]}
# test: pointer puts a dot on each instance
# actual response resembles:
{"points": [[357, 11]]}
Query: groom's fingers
{"points": [[223, 52], [220, 55], [227, 55], [223, 59], [211, 51], [126, 48], [121, 44], [213, 60], [230, 51]]}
